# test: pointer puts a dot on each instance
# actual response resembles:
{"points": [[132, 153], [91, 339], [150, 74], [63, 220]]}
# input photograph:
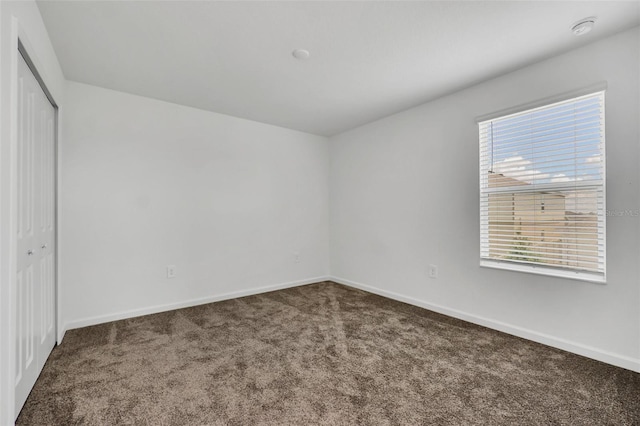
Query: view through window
{"points": [[542, 201]]}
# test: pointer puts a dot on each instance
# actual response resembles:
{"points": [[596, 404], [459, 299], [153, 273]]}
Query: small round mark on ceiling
{"points": [[301, 54]]}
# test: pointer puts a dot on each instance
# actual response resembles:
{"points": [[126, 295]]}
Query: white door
{"points": [[35, 283]]}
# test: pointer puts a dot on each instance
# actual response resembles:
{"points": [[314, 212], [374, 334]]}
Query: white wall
{"points": [[404, 193], [16, 18], [146, 184]]}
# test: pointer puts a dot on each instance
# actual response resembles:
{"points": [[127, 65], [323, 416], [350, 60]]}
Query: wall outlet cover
{"points": [[171, 271], [433, 271]]}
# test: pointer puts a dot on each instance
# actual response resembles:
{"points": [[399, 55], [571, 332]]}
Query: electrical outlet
{"points": [[433, 271], [171, 271]]}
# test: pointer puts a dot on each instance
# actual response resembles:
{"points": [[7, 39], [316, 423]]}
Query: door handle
{"points": [[44, 246], [30, 252]]}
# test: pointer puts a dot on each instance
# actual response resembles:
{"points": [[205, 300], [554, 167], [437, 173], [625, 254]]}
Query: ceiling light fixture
{"points": [[301, 54], [583, 26]]}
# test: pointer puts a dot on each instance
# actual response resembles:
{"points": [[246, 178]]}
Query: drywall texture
{"points": [[16, 18], [404, 194], [146, 184]]}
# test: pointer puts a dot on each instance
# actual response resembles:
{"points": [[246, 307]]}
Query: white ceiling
{"points": [[368, 59]]}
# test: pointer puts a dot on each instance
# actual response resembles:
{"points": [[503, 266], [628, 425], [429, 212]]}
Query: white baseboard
{"points": [[85, 322], [629, 363]]}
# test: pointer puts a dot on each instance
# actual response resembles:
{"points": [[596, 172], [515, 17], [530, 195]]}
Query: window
{"points": [[542, 190]]}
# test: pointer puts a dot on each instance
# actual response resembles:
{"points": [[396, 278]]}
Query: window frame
{"points": [[549, 270]]}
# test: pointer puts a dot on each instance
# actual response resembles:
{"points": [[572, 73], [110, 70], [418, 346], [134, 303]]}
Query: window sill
{"points": [[545, 270]]}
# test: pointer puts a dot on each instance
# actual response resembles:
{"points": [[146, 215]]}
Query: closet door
{"points": [[35, 281]]}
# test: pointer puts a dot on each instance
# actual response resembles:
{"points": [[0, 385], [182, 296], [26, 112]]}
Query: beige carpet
{"points": [[320, 354]]}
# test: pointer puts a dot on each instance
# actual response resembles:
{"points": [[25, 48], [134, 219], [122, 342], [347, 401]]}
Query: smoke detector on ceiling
{"points": [[583, 26]]}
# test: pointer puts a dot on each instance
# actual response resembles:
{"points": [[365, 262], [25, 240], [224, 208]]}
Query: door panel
{"points": [[46, 242], [26, 369], [35, 281]]}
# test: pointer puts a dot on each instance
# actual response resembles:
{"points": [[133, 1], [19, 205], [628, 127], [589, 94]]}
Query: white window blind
{"points": [[542, 189]]}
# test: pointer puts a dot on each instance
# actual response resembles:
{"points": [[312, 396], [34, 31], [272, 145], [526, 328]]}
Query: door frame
{"points": [[19, 45]]}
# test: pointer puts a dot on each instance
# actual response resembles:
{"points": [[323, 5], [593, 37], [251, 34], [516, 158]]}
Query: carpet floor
{"points": [[320, 354]]}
